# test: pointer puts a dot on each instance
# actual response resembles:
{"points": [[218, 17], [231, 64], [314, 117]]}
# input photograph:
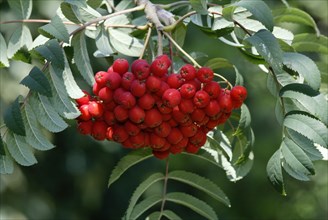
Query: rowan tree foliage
{"points": [[142, 30]]}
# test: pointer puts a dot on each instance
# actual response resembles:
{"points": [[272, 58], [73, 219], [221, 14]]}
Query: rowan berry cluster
{"points": [[148, 107]]}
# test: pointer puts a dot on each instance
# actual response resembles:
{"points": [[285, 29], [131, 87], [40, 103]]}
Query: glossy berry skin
{"points": [[138, 88], [238, 94], [159, 67], [153, 118], [84, 99], [120, 66], [171, 98], [131, 128], [119, 134], [121, 113], [205, 74], [147, 101], [163, 130], [105, 94], [175, 136], [85, 114], [127, 79], [201, 99], [225, 102], [156, 142], [113, 80], [188, 72], [101, 78], [127, 100], [187, 91], [96, 109], [141, 69], [136, 114], [153, 84], [213, 89], [174, 80]]}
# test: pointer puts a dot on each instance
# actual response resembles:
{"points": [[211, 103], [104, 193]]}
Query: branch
{"points": [[146, 42]]}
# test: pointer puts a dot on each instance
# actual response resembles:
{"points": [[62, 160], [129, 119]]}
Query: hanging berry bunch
{"points": [[148, 107]]}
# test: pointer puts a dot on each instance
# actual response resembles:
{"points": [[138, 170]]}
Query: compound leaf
{"points": [[305, 67], [34, 135], [21, 37], [125, 44], [144, 205], [56, 29], [200, 183], [193, 203], [140, 190], [103, 45], [47, 115], [22, 8], [274, 172], [81, 57], [38, 82], [13, 118], [20, 150], [128, 161]]}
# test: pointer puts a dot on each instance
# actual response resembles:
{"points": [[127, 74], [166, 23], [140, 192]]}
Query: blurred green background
{"points": [[70, 181]]}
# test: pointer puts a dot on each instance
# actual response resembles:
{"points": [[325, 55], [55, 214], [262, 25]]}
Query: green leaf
{"points": [[179, 33], [295, 15], [144, 205], [85, 13], [52, 52], [140, 190], [308, 126], [21, 37], [305, 67], [6, 164], [128, 161], [258, 8], [154, 216], [298, 161], [274, 172], [124, 4], [81, 57], [171, 215], [125, 44], [34, 135], [13, 118], [193, 203], [310, 43], [37, 81], [200, 183], [3, 56], [239, 78], [79, 3], [22, 8], [309, 99], [268, 47], [2, 147], [200, 6], [56, 29], [306, 144], [217, 63], [245, 119], [68, 12], [219, 141], [102, 43], [47, 115], [208, 155], [60, 99], [20, 150]]}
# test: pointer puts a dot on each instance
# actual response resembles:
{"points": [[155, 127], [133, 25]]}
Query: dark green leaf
{"points": [[37, 81], [154, 216], [128, 161], [274, 172], [95, 3], [34, 135], [217, 63], [125, 44], [193, 203], [3, 56], [297, 160], [171, 215], [144, 205], [140, 190], [22, 55], [2, 147], [216, 33], [306, 144], [294, 15], [6, 164], [22, 8], [81, 57], [310, 43], [13, 118], [179, 33], [258, 8], [20, 150], [200, 183], [20, 38], [56, 29], [308, 126], [52, 52], [200, 6], [309, 99], [305, 67], [68, 12], [47, 115], [60, 99], [268, 47]]}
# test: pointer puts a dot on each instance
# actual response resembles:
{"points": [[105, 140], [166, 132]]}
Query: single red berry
{"points": [[138, 88], [163, 130], [146, 102], [189, 131], [85, 114], [105, 94], [201, 99], [95, 88], [198, 115], [188, 72], [136, 62], [164, 86], [153, 118], [165, 58], [119, 134], [213, 89], [164, 109], [156, 141], [85, 127], [196, 83], [213, 108], [121, 113], [161, 154], [238, 94], [101, 78], [171, 98], [191, 148], [84, 99], [179, 116], [117, 94], [138, 140], [159, 67], [225, 102], [153, 83], [127, 79], [96, 109], [109, 117], [186, 106], [121, 66], [199, 138], [127, 100], [137, 114], [174, 80], [99, 130], [187, 90], [113, 80], [141, 69], [175, 136], [205, 74], [131, 128]]}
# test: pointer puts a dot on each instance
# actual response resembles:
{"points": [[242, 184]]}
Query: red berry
{"points": [[198, 115], [146, 102], [191, 148], [127, 79], [137, 114], [225, 102], [238, 94], [99, 130], [199, 138], [201, 99], [113, 80], [138, 140], [189, 131], [140, 69], [105, 94], [95, 88], [138, 88], [171, 97], [121, 113], [101, 78], [163, 130], [119, 134], [186, 106], [153, 118], [213, 108], [187, 91], [153, 84], [131, 128], [164, 109], [85, 127], [175, 136], [121, 66], [179, 116], [96, 109], [213, 89], [205, 74], [85, 114], [159, 67], [174, 80], [161, 154], [127, 100], [188, 72], [84, 99], [109, 117], [156, 141]]}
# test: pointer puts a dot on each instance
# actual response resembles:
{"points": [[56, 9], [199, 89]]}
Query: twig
{"points": [[171, 5], [34, 21], [159, 43], [146, 42], [165, 185], [172, 26], [224, 79]]}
